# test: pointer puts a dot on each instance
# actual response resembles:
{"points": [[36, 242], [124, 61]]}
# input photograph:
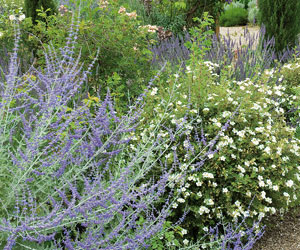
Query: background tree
{"points": [[282, 20], [178, 15], [31, 7]]}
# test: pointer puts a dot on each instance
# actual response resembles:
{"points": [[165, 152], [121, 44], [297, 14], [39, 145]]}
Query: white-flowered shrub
{"points": [[255, 158], [289, 78]]}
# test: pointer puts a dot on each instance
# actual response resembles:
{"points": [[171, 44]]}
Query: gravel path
{"points": [[238, 33], [282, 234]]}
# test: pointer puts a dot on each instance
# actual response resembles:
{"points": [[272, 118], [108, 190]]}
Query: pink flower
{"points": [[122, 10], [132, 15]]}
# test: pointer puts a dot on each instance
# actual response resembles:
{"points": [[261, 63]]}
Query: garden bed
{"points": [[105, 145]]}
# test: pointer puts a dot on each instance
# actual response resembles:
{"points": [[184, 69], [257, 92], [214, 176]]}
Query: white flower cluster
{"points": [[257, 151], [19, 18]]}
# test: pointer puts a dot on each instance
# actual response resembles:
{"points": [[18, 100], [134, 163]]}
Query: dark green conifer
{"points": [[282, 20], [31, 7]]}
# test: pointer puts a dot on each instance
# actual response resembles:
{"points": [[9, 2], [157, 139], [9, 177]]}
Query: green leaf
{"points": [[180, 5]]}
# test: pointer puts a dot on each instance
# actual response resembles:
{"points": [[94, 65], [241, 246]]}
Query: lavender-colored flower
{"points": [[63, 164], [256, 55]]}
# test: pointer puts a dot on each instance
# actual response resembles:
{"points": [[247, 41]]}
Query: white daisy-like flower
{"points": [[241, 169], [285, 158], [222, 158], [12, 17], [154, 91], [208, 175], [236, 214], [256, 106], [259, 129], [289, 183], [273, 210], [209, 202], [210, 156], [255, 141], [237, 203], [268, 150], [198, 184], [261, 215], [269, 200], [269, 182], [181, 200], [199, 194], [186, 144], [241, 133], [218, 124], [203, 210], [185, 241], [22, 17], [260, 178], [184, 231]]}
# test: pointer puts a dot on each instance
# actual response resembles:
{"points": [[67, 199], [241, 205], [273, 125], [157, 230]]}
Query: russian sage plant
{"points": [[246, 59], [66, 178]]}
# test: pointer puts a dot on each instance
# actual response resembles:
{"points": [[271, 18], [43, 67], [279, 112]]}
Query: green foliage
{"points": [[234, 4], [31, 7], [290, 76], [177, 15], [246, 3], [169, 238], [257, 157], [252, 12], [201, 35], [234, 17], [281, 19], [123, 64]]}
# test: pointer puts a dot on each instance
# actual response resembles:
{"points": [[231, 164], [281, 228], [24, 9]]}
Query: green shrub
{"points": [[246, 3], [176, 15], [255, 160], [234, 4], [31, 7], [234, 17], [289, 75], [252, 12], [124, 60], [281, 19]]}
